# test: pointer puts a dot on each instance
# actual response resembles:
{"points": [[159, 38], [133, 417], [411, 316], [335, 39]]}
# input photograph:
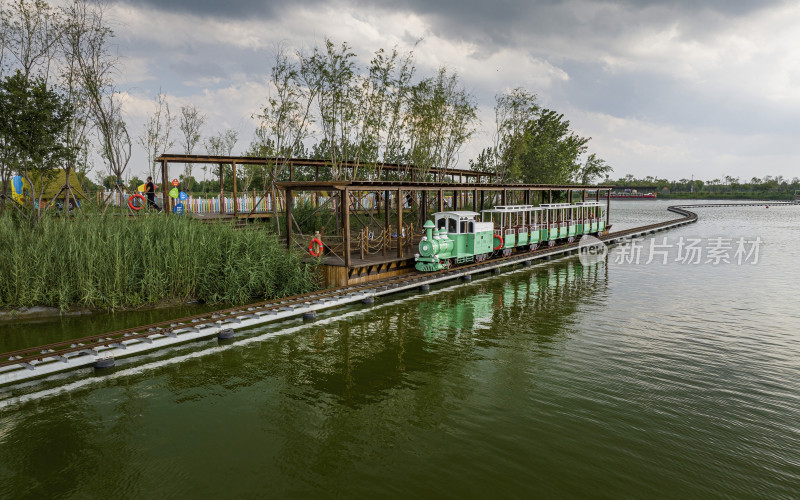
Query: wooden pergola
{"points": [[408, 172], [425, 189]]}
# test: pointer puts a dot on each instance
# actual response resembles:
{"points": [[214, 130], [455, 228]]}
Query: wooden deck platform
{"points": [[371, 267]]}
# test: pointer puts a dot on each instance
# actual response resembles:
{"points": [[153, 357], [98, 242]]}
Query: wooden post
{"points": [[291, 171], [235, 193], [440, 200], [221, 186], [475, 200], [482, 191], [424, 206], [345, 203], [289, 204], [164, 184], [569, 196], [400, 223], [503, 197], [583, 195], [386, 208], [456, 195], [549, 196], [597, 195]]}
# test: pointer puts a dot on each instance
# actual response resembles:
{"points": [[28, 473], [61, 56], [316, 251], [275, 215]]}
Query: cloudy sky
{"points": [[666, 88]]}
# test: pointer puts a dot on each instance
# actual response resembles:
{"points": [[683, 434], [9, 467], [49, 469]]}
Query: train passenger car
{"points": [[515, 226], [591, 217], [458, 237]]}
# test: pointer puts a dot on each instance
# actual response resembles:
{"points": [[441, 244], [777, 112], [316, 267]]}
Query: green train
{"points": [[458, 237]]}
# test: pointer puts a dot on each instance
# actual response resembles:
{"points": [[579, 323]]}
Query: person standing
{"points": [[150, 191]]}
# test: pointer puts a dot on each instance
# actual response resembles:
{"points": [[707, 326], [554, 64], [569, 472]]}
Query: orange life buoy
{"points": [[498, 247], [311, 247], [133, 197]]}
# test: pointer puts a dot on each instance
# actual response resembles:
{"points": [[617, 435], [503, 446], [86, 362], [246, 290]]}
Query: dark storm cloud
{"points": [[239, 9], [470, 12]]}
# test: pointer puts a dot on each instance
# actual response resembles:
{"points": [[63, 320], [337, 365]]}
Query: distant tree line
{"points": [[728, 187]]}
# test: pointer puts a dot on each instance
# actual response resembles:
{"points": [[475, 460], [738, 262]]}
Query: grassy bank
{"points": [[113, 262]]}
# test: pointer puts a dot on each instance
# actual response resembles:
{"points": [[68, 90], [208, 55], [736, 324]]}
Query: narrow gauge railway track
{"points": [[59, 356]]}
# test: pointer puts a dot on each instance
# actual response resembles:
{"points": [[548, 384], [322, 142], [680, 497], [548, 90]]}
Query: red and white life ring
{"points": [[133, 197], [498, 247], [311, 247]]}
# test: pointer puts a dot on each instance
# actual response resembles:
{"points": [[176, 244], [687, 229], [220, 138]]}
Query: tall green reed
{"points": [[112, 262]]}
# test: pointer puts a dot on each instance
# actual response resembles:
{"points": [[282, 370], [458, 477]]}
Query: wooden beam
{"points": [[386, 208], [235, 193], [164, 184], [400, 223], [221, 185], [345, 203], [289, 204]]}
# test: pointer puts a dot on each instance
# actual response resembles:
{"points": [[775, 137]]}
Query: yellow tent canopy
{"points": [[55, 181]]}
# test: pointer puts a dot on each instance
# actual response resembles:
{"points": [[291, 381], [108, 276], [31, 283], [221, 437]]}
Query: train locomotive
{"points": [[458, 237]]}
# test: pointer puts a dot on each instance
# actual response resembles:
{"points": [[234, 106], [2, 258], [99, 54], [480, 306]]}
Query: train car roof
{"points": [[512, 208], [458, 213]]}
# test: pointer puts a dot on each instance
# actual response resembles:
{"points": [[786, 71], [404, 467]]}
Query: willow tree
{"points": [[283, 122], [441, 118], [330, 74], [550, 151], [388, 87]]}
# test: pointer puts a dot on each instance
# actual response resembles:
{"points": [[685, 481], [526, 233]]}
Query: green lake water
{"points": [[614, 380]]}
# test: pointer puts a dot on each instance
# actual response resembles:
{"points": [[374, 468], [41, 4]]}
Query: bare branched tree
{"points": [[190, 123], [155, 137]]}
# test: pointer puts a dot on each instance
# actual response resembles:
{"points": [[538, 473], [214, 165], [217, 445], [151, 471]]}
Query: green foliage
{"points": [[441, 116], [115, 262], [33, 130], [769, 187], [549, 150], [536, 145]]}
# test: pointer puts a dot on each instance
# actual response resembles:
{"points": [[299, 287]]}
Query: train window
{"points": [[452, 226], [441, 224], [471, 227], [463, 226]]}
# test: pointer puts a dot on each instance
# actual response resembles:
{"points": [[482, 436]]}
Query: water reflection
{"points": [[309, 404]]}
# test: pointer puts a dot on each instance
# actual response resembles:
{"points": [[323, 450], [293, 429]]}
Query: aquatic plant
{"points": [[112, 261]]}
